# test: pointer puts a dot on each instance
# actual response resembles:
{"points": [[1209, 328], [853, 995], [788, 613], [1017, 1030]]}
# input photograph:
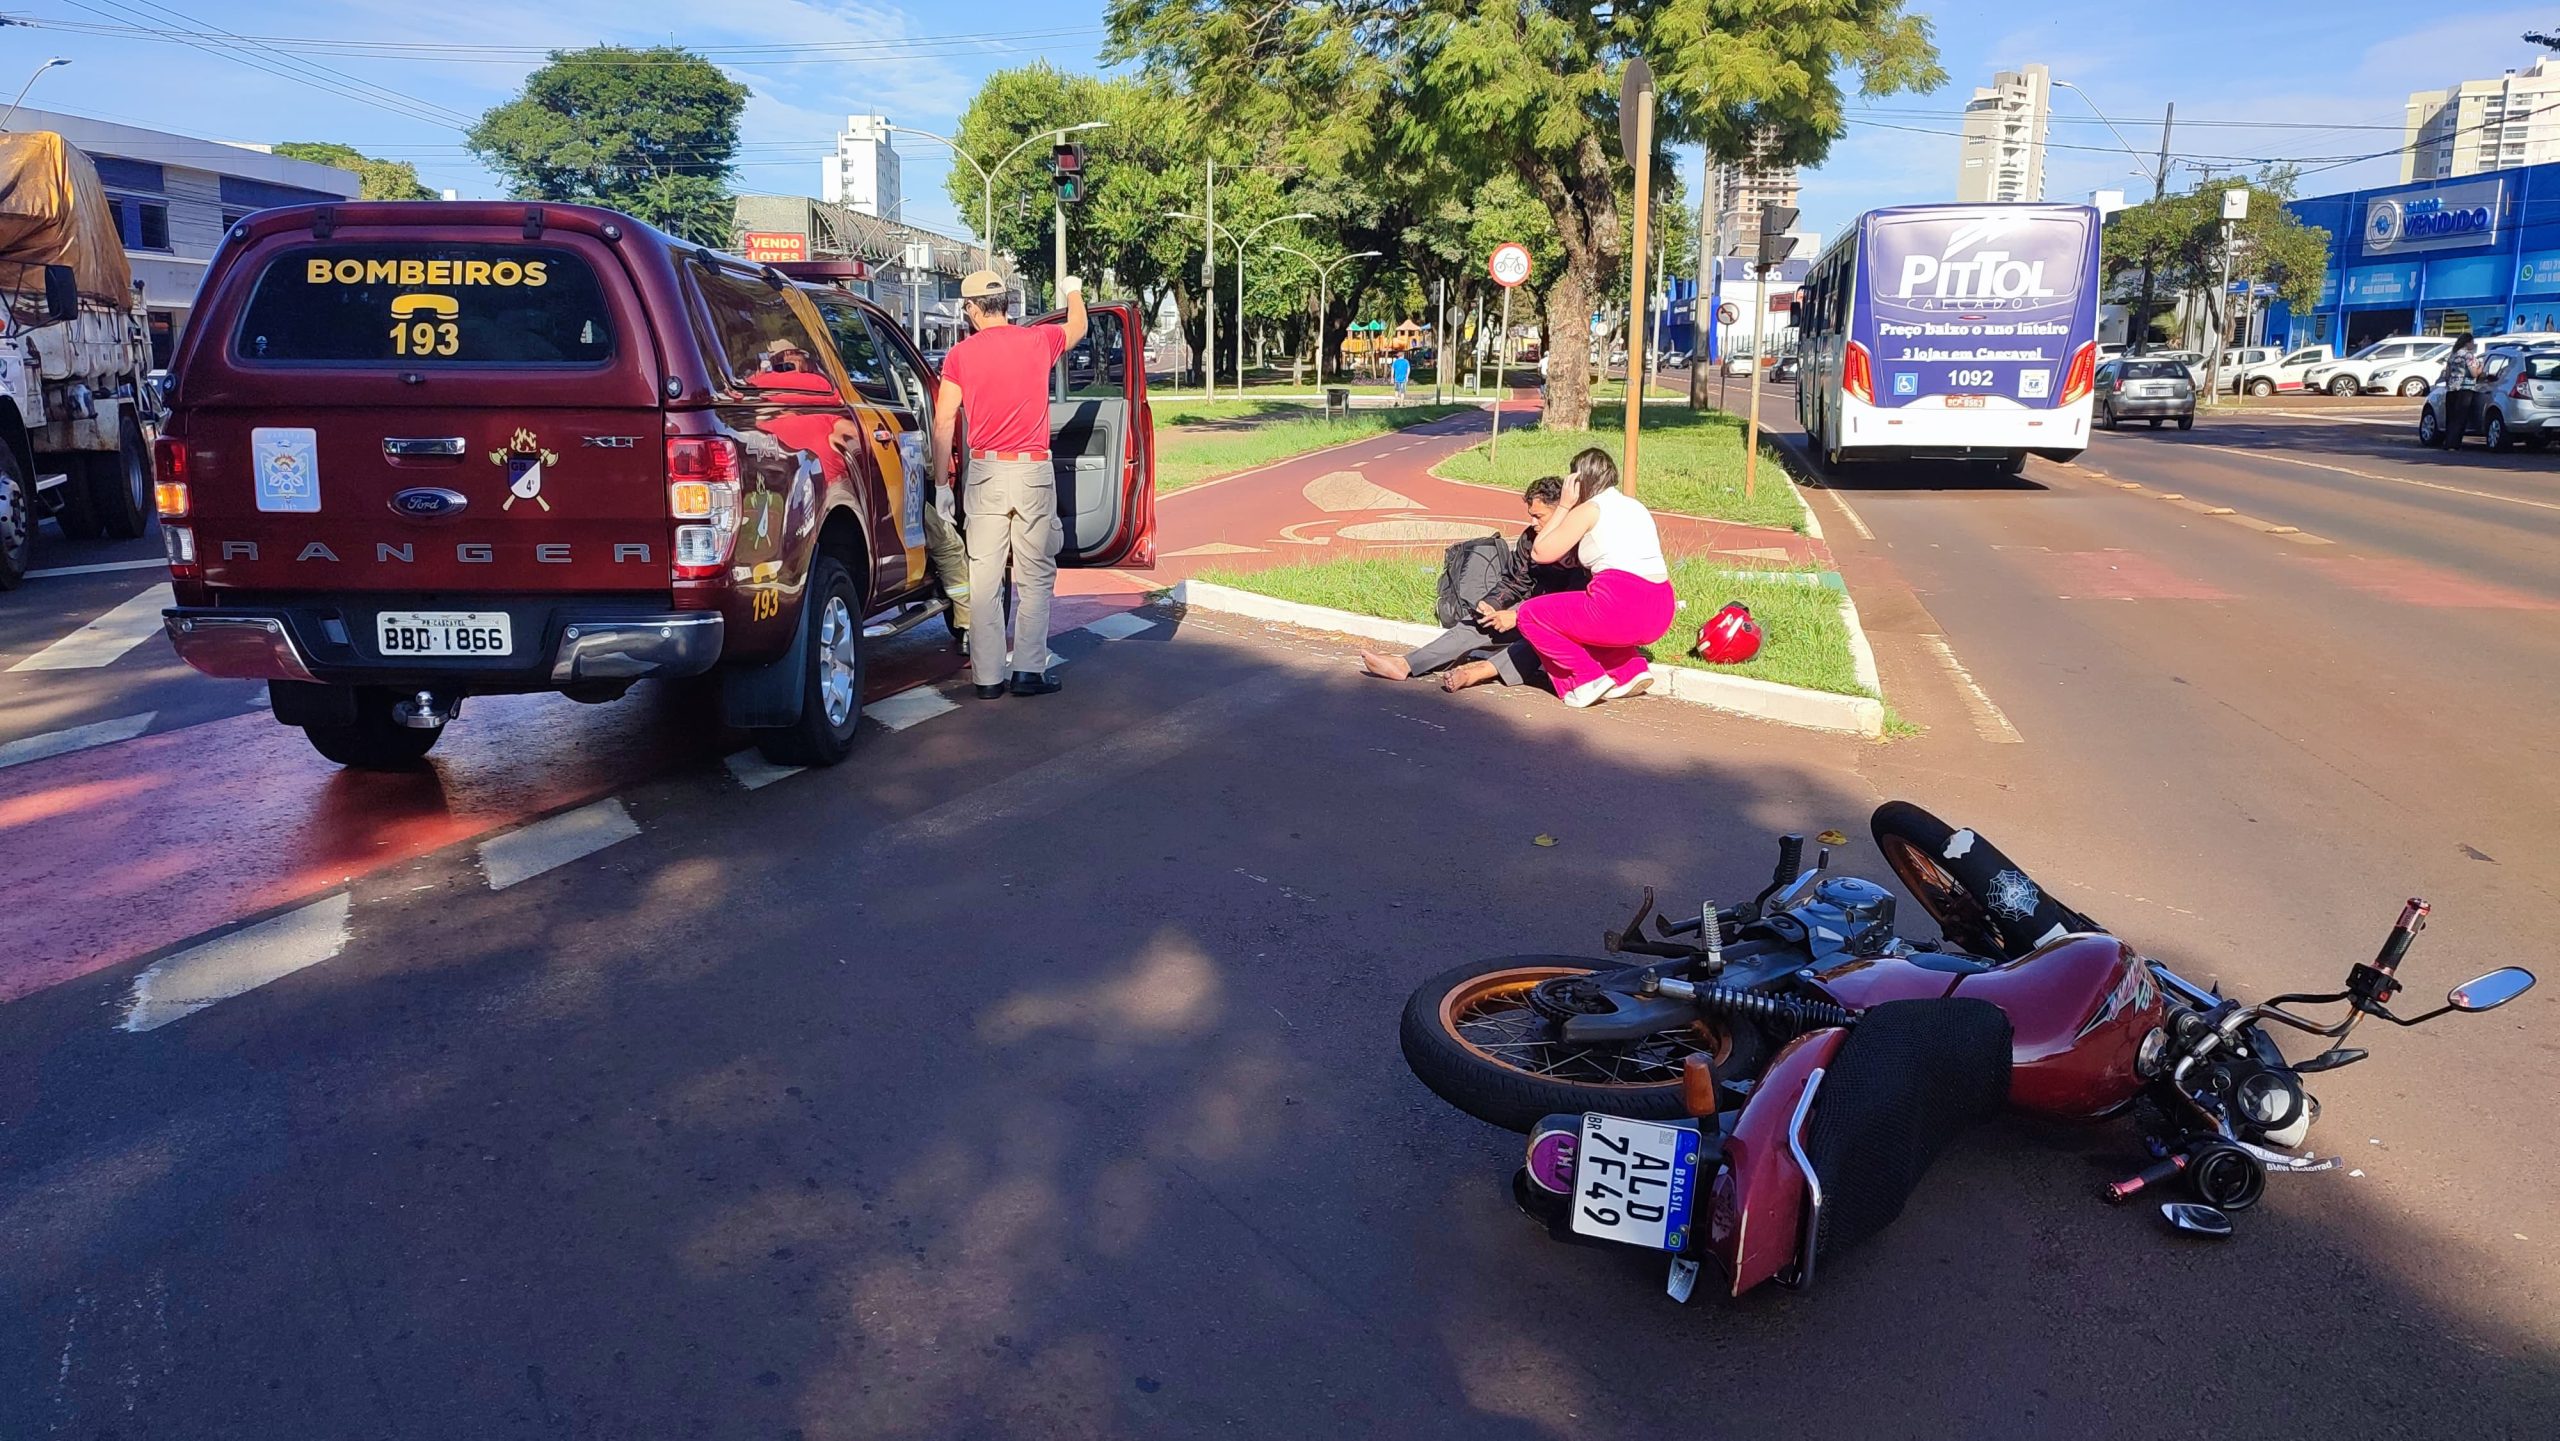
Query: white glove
{"points": [[1072, 285]]}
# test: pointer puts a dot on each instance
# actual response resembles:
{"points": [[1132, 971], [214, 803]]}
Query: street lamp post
{"points": [[2137, 334], [1324, 275], [1240, 243], [987, 173], [11, 113]]}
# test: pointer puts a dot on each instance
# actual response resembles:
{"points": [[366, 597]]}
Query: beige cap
{"points": [[982, 285]]}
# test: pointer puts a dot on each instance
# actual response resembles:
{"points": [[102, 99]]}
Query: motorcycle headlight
{"points": [[2270, 1100]]}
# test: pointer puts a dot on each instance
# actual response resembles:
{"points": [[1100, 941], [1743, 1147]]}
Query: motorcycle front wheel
{"points": [[1475, 1036]]}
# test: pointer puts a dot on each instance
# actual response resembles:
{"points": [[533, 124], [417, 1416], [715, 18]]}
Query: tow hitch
{"points": [[426, 711]]}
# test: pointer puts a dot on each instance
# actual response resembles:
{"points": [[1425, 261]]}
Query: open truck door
{"points": [[1102, 442]]}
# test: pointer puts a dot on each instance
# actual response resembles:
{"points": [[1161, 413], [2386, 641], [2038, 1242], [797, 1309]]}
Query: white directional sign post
{"points": [[1509, 267]]}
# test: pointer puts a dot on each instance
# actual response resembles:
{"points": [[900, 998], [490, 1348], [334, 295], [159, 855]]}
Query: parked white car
{"points": [[2284, 373], [2407, 357]]}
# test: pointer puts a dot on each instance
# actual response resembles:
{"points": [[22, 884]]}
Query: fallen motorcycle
{"points": [[1774, 1089]]}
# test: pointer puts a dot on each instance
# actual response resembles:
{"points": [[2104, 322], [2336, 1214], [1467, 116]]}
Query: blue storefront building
{"points": [[2479, 254]]}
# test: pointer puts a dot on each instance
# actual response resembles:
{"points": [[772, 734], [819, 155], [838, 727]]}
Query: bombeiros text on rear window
{"points": [[409, 305]]}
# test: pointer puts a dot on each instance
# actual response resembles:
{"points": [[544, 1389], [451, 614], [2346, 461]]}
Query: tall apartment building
{"points": [[2484, 125], [862, 175], [2004, 134], [1739, 188]]}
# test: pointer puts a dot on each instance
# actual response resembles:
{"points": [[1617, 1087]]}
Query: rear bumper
{"points": [[2163, 407], [294, 643]]}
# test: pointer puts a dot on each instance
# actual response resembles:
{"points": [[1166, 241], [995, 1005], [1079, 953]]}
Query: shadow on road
{"points": [[1046, 1085]]}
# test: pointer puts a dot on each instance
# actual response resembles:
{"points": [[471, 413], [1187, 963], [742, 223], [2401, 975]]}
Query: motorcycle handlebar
{"points": [[2395, 946]]}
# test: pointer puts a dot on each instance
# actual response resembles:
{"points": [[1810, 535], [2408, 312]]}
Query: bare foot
{"points": [[1385, 667], [1474, 672]]}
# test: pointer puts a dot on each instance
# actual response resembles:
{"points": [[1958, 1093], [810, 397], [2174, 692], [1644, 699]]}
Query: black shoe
{"points": [[991, 692], [960, 639], [1028, 683]]}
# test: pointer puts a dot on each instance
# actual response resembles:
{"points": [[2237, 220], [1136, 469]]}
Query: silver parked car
{"points": [[2519, 399], [2148, 387]]}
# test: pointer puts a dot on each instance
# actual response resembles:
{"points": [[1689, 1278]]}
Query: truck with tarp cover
{"points": [[76, 411]]}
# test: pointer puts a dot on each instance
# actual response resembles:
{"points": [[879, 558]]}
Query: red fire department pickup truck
{"points": [[423, 451]]}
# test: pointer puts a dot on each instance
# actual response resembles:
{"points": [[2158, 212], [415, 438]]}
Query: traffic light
{"points": [[1775, 243], [1066, 169]]}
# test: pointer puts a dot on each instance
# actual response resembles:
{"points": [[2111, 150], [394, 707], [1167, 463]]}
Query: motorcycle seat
{"points": [[1908, 1079]]}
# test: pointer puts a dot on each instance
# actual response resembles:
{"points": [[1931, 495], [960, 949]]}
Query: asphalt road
{"points": [[1034, 1074]]}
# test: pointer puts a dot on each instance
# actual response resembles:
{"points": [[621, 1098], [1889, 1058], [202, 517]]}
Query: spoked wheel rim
{"points": [[835, 659], [1959, 913], [1491, 1016]]}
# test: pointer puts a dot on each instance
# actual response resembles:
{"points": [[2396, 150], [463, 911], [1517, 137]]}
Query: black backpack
{"points": [[1469, 570]]}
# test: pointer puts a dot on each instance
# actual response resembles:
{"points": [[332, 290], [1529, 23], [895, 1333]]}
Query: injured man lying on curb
{"points": [[1489, 646]]}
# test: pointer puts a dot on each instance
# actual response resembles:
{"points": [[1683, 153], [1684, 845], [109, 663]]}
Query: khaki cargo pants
{"points": [[1012, 514]]}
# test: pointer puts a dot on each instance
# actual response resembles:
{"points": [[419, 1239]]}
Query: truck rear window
{"points": [[421, 305]]}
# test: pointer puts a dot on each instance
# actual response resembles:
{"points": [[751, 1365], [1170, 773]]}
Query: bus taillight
{"points": [[2082, 377], [1857, 373]]}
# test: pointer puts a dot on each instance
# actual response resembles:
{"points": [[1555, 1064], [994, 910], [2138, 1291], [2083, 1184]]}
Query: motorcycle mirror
{"points": [[2197, 1220], [2331, 1060], [2487, 993]]}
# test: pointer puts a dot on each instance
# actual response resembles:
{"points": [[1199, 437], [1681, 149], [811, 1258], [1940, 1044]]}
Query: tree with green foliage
{"points": [[647, 132], [2181, 239], [1529, 88], [379, 179]]}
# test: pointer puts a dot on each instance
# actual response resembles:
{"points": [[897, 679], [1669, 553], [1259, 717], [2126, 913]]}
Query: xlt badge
{"points": [[612, 442]]}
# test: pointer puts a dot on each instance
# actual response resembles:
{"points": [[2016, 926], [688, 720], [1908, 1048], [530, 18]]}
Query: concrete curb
{"points": [[1741, 695], [1862, 653]]}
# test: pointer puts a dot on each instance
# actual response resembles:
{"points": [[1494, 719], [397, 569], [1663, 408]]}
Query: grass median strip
{"points": [[1189, 451], [1690, 462], [1807, 645]]}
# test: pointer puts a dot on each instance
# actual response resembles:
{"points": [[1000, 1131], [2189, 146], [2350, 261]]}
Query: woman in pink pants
{"points": [[1592, 640]]}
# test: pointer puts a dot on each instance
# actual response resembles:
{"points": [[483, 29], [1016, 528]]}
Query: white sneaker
{"points": [[1587, 694], [1636, 684]]}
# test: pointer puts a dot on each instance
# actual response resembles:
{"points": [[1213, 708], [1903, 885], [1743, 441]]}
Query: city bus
{"points": [[1952, 332]]}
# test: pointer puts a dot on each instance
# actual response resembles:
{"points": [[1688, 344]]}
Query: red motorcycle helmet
{"points": [[1729, 637]]}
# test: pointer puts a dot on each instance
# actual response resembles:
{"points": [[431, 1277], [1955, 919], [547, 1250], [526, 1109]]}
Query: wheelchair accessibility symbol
{"points": [[1906, 382]]}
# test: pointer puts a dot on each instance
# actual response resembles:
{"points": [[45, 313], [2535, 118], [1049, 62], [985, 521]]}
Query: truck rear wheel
{"points": [[831, 684], [17, 520], [117, 483], [374, 740]]}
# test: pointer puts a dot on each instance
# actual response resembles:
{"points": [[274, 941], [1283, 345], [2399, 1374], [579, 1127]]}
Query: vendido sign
{"points": [[2445, 218]]}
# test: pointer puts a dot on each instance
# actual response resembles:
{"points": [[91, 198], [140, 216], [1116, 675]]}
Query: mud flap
{"points": [[769, 695]]}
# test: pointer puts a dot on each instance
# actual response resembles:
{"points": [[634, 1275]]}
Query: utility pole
{"points": [[1209, 286], [1636, 92], [1058, 209], [1699, 318], [1440, 347], [2138, 336]]}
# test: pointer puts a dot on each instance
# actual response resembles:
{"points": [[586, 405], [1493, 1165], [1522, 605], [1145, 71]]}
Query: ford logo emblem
{"points": [[429, 503]]}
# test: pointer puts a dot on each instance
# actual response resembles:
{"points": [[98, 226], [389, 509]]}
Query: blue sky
{"points": [[2344, 68]]}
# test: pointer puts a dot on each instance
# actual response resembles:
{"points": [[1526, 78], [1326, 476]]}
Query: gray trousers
{"points": [[1012, 516], [1513, 658]]}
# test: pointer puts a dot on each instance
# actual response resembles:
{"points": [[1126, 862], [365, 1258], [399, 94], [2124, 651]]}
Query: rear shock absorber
{"points": [[1785, 1015]]}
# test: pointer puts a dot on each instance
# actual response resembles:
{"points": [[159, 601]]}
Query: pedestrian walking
{"points": [[998, 379], [2461, 392], [1592, 641], [1400, 370]]}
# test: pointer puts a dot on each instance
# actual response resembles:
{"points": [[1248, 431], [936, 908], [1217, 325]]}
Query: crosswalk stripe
{"points": [[101, 568], [77, 738], [554, 841], [222, 968], [105, 640]]}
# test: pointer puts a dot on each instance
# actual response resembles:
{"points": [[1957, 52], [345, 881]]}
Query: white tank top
{"points": [[1622, 537]]}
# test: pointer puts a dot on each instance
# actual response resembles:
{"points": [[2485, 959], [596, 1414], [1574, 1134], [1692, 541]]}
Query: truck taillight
{"points": [[2082, 376], [703, 489], [1858, 373], [170, 492]]}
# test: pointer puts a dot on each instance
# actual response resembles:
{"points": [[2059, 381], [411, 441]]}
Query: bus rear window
{"points": [[426, 305]]}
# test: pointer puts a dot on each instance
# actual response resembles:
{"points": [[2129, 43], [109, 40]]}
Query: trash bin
{"points": [[1336, 397]]}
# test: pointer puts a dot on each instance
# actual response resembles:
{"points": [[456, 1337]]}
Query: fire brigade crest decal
{"points": [[524, 461]]}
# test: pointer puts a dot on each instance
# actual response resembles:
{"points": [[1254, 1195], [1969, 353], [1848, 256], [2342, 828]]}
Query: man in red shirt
{"points": [[1000, 377]]}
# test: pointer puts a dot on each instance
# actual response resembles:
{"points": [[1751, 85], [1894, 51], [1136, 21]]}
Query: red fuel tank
{"points": [[2079, 1009]]}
